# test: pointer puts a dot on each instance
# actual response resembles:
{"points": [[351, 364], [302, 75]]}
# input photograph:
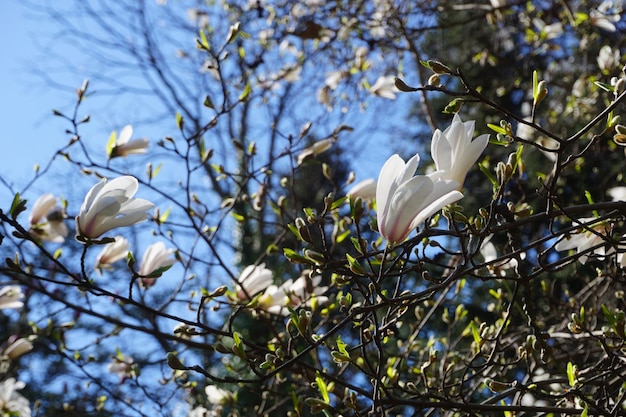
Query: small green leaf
{"points": [[604, 86], [322, 387], [246, 92], [496, 128], [111, 144], [180, 121], [571, 374], [208, 103], [203, 42], [17, 206]]}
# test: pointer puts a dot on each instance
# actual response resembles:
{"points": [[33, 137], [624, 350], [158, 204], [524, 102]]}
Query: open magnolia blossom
{"points": [[13, 403], [111, 253], [617, 193], [46, 219], [123, 366], [122, 145], [385, 87], [365, 189], [11, 297], [252, 280], [218, 396], [490, 255], [298, 293], [110, 204], [592, 235], [404, 201], [454, 151], [200, 412], [155, 257]]}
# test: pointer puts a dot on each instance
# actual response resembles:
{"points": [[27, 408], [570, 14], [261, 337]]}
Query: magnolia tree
{"points": [[236, 266]]}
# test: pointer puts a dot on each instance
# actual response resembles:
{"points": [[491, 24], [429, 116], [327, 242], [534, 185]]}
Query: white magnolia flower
{"points": [[11, 297], [122, 145], [312, 151], [16, 347], [156, 256], [385, 87], [608, 58], [46, 219], [365, 189], [198, 412], [111, 253], [551, 31], [603, 17], [404, 200], [334, 78], [253, 279], [301, 292], [123, 366], [13, 403], [218, 396], [110, 204], [593, 234], [454, 151], [490, 254], [617, 193]]}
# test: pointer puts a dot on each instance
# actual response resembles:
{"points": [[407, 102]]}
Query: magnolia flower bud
{"points": [[434, 80], [439, 68]]}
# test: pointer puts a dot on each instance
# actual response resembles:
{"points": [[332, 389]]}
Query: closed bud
{"points": [[542, 92], [496, 386], [620, 139], [175, 363], [402, 86], [439, 68], [434, 80], [326, 171], [619, 86]]}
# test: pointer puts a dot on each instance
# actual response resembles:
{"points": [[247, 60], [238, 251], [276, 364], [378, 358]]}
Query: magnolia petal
{"points": [[435, 206], [42, 207], [405, 205], [125, 134]]}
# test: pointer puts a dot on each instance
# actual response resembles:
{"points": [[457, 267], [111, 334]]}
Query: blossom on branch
{"points": [[11, 402], [112, 253], [454, 151], [591, 234], [110, 204], [385, 87], [46, 219], [155, 260], [123, 366], [365, 189], [404, 201], [11, 297], [303, 291], [16, 347], [218, 396], [252, 280], [122, 145]]}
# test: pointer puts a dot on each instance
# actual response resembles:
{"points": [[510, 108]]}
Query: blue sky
{"points": [[30, 133]]}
